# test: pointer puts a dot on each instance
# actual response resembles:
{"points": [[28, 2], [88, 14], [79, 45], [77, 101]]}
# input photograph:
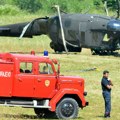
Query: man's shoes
{"points": [[107, 116]]}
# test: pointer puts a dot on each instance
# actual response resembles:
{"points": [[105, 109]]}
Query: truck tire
{"points": [[67, 108]]}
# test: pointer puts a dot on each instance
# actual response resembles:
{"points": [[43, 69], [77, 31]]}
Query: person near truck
{"points": [[106, 84]]}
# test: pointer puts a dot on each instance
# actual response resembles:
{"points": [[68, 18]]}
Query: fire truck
{"points": [[32, 81]]}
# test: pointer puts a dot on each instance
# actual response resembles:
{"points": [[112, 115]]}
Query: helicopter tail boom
{"points": [[36, 27]]}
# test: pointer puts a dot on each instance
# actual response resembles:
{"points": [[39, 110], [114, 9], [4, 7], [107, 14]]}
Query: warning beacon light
{"points": [[32, 52], [46, 53]]}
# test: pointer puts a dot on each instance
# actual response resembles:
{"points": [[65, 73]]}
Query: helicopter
{"points": [[72, 32]]}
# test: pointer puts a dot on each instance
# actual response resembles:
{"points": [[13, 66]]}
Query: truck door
{"points": [[6, 79], [24, 81], [45, 81]]}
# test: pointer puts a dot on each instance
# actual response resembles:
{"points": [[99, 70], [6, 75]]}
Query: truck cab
{"points": [[32, 81]]}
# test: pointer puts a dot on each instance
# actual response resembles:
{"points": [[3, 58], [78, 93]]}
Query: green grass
{"points": [[71, 64], [39, 44]]}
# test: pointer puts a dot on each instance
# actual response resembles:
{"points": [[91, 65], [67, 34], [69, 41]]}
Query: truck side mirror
{"points": [[54, 61], [58, 69]]}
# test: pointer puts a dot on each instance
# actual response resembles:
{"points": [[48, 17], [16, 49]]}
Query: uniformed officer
{"points": [[106, 91]]}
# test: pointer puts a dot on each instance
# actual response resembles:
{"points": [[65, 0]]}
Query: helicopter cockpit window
{"points": [[45, 68], [26, 67], [106, 38]]}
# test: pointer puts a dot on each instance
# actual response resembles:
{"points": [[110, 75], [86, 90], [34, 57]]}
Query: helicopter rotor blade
{"points": [[25, 29], [118, 9], [30, 24], [62, 31], [106, 9]]}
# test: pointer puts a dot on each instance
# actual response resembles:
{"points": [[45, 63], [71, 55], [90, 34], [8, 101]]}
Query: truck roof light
{"points": [[46, 53], [32, 52]]}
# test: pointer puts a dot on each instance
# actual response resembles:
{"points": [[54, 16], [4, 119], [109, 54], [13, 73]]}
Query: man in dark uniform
{"points": [[106, 91]]}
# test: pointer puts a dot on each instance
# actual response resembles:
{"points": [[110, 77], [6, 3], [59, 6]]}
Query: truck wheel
{"points": [[39, 112], [67, 108]]}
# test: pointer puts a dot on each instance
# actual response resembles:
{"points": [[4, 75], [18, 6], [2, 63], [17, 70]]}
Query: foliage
{"points": [[111, 4], [72, 6], [29, 5], [97, 3], [2, 2], [9, 10]]}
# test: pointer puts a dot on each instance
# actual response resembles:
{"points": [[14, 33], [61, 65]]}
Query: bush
{"points": [[29, 5], [9, 10], [74, 6], [2, 2], [111, 4], [97, 3]]}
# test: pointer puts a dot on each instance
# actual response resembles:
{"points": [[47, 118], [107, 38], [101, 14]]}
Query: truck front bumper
{"points": [[85, 93], [87, 103]]}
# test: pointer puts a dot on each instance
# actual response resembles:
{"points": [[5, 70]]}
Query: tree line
{"points": [[33, 6]]}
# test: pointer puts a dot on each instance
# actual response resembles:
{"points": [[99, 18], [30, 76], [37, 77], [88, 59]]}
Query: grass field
{"points": [[71, 64]]}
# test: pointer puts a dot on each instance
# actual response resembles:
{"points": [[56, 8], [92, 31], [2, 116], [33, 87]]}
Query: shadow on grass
{"points": [[100, 116], [20, 116], [25, 116], [116, 54], [79, 118]]}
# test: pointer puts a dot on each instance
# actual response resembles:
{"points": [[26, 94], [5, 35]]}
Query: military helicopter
{"points": [[72, 32]]}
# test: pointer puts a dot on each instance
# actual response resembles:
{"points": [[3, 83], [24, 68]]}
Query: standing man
{"points": [[106, 91]]}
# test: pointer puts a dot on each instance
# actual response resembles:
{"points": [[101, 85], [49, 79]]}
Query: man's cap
{"points": [[105, 71]]}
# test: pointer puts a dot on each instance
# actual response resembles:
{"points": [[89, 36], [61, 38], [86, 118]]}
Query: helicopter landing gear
{"points": [[60, 48], [101, 52], [56, 47]]}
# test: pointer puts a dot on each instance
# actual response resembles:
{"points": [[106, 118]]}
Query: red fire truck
{"points": [[32, 81]]}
